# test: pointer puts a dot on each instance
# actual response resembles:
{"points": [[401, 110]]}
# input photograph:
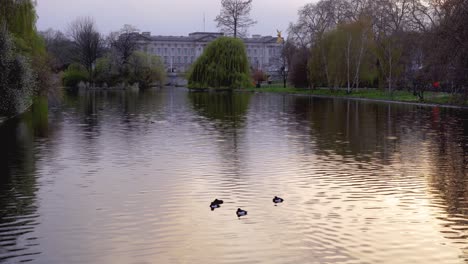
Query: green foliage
{"points": [[74, 74], [146, 69], [223, 65], [226, 109], [316, 67], [17, 80], [389, 50], [20, 17], [342, 56], [372, 93], [105, 72]]}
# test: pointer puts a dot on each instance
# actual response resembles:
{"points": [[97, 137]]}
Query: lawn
{"points": [[401, 96]]}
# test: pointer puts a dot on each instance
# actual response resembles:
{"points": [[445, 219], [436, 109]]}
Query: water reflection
{"points": [[408, 136], [449, 170], [127, 177], [228, 110], [18, 186], [225, 115]]}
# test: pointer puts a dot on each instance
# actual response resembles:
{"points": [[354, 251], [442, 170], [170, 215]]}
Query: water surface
{"points": [[127, 177]]}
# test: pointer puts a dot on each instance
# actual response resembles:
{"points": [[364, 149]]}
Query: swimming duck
{"points": [[278, 200], [218, 202], [241, 212], [214, 206]]}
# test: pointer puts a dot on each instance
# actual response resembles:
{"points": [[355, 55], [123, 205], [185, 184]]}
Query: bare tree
{"points": [[88, 43], [59, 47], [124, 42], [234, 17]]}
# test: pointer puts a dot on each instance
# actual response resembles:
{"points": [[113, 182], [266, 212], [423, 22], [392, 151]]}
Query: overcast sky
{"points": [[170, 17]]}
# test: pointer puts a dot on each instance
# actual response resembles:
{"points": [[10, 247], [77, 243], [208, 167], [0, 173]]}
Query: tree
{"points": [[450, 55], [146, 69], [297, 58], [19, 18], [234, 18], [17, 80], [24, 68], [87, 41], [124, 42], [358, 39], [223, 64], [59, 47]]}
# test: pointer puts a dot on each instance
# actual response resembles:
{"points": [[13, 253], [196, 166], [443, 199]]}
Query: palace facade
{"points": [[179, 52]]}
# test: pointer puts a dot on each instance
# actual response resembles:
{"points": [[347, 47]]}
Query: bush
{"points": [[103, 71], [74, 75], [146, 69], [259, 76], [17, 80], [223, 64]]}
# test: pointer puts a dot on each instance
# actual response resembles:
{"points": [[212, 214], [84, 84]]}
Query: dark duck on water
{"points": [[278, 200], [216, 204], [241, 212]]}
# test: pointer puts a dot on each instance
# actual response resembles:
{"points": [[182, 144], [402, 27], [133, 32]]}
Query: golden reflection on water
{"points": [[128, 178]]}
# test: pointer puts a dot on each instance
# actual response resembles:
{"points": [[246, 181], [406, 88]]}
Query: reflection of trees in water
{"points": [[226, 114], [449, 171], [18, 185], [128, 111], [92, 105], [226, 110], [357, 128]]}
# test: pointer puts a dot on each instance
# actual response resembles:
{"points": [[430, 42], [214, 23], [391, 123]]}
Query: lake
{"points": [[128, 177]]}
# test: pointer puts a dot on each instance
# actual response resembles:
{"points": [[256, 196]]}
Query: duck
{"points": [[214, 206], [278, 200], [218, 202], [241, 212]]}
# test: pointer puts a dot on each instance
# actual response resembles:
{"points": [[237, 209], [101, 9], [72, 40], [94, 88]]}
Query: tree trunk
{"points": [[235, 28], [358, 66], [325, 66], [390, 73], [348, 55]]}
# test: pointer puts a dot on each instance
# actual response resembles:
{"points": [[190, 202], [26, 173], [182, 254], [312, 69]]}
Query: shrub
{"points": [[259, 76], [223, 64], [146, 69], [74, 75], [103, 71], [17, 80]]}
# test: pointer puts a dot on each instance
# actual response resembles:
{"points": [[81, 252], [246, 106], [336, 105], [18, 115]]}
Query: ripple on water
{"points": [[132, 183]]}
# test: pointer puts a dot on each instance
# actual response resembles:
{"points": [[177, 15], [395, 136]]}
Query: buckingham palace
{"points": [[179, 52]]}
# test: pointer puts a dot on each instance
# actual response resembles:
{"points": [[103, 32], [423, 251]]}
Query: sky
{"points": [[169, 17]]}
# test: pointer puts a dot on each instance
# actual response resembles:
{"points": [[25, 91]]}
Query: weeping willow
{"points": [[19, 18], [223, 65]]}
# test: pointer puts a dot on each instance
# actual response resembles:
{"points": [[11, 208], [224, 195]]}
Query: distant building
{"points": [[179, 53]]}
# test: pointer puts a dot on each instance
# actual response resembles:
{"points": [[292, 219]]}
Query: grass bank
{"points": [[438, 98]]}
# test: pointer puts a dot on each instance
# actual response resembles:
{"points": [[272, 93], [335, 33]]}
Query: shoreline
{"points": [[357, 98], [4, 119]]}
